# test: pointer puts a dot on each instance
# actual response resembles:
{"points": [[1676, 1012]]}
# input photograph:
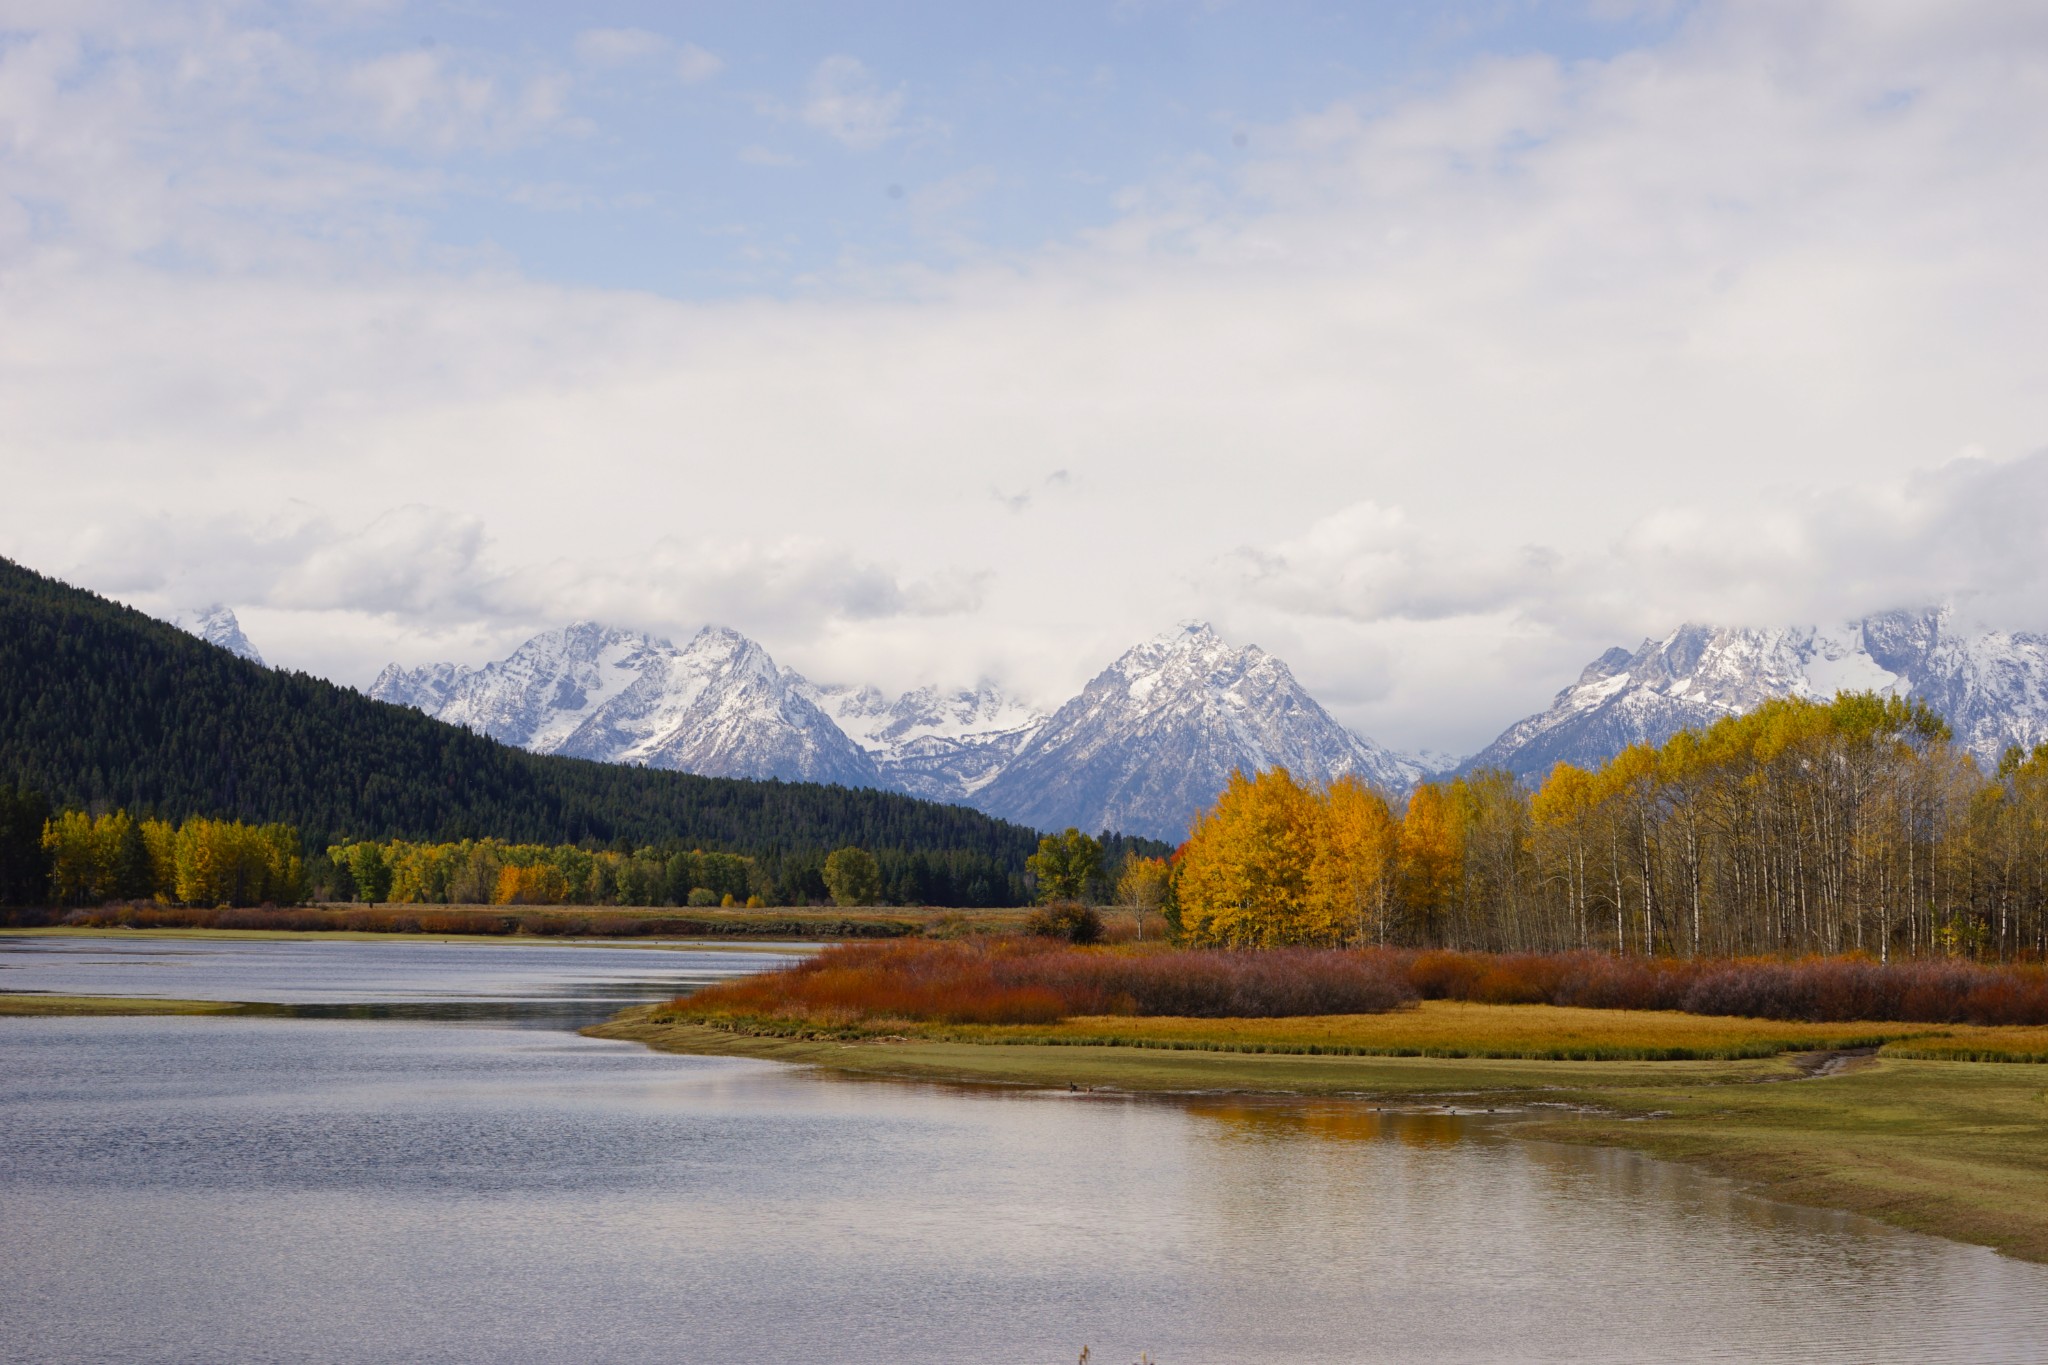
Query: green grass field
{"points": [[1959, 1149], [28, 1004], [1448, 1028]]}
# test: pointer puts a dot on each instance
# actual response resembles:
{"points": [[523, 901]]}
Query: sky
{"points": [[1434, 348]]}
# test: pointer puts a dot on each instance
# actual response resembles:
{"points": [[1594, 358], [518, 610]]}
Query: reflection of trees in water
{"points": [[1352, 1121], [1344, 1174]]}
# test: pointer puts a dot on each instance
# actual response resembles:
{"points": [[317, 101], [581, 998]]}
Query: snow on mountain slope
{"points": [[1155, 736], [1992, 686], [943, 746], [718, 706], [1150, 741], [217, 626]]}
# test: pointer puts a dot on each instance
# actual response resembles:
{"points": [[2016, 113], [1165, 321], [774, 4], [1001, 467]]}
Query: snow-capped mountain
{"points": [[943, 746], [1991, 686], [1146, 744], [1155, 736], [717, 706], [217, 626]]}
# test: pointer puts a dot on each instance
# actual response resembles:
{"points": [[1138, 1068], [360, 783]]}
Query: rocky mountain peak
{"points": [[717, 706], [1155, 736], [1991, 685], [216, 624]]}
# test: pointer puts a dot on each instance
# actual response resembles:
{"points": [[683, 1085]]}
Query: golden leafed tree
{"points": [[1432, 862], [1351, 881], [538, 884], [1244, 873]]}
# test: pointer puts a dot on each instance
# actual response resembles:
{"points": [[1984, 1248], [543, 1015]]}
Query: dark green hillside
{"points": [[101, 705]]}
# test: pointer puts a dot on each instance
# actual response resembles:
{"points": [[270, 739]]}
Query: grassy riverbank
{"points": [[823, 925], [1451, 1029], [729, 945], [47, 1005], [1959, 1149]]}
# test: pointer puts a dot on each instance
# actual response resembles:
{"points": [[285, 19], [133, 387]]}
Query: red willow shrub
{"points": [[950, 983], [1587, 980], [1031, 982], [1034, 982], [1812, 989]]}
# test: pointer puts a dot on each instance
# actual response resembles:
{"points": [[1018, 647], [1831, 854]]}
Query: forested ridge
{"points": [[102, 707]]}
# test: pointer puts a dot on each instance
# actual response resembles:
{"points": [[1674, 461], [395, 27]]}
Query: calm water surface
{"points": [[547, 985], [403, 1189]]}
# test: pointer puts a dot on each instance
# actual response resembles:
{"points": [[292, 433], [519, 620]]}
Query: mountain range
{"points": [[1150, 740], [716, 706], [1153, 737], [1990, 685]]}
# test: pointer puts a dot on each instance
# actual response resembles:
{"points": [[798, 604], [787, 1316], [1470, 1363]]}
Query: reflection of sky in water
{"points": [[291, 1189], [548, 983], [288, 1189]]}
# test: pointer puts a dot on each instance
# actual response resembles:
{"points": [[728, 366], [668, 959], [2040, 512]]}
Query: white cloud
{"points": [[1060, 480], [694, 64], [430, 572], [1965, 531], [1370, 563], [424, 100], [618, 46], [1434, 393], [846, 103]]}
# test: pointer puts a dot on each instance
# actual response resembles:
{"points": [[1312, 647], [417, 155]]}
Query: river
{"points": [[429, 1165]]}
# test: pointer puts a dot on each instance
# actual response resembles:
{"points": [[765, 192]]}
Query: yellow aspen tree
{"points": [[283, 867], [1431, 857], [1244, 872], [534, 884], [1562, 813], [160, 838], [198, 878], [1352, 874], [1633, 784], [67, 838]]}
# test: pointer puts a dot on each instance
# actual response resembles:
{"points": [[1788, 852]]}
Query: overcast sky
{"points": [[1435, 349]]}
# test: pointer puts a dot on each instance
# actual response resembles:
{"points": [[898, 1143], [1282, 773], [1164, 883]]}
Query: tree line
{"points": [[494, 872], [72, 858], [106, 709], [91, 860], [1800, 827]]}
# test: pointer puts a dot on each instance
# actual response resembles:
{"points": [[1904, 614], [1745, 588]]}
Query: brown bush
{"points": [[1070, 921]]}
